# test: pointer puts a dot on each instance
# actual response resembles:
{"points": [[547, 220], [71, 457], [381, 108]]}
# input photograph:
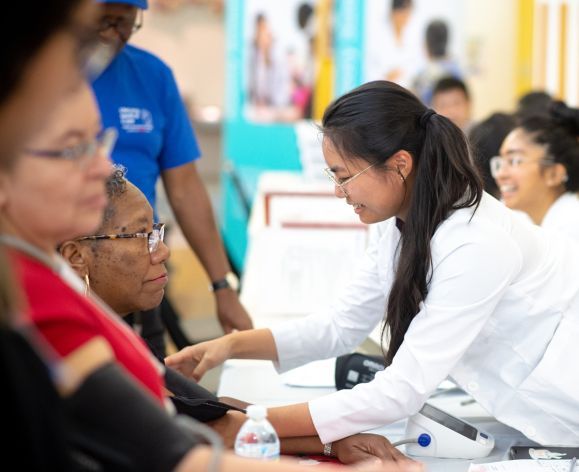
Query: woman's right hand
{"points": [[195, 361]]}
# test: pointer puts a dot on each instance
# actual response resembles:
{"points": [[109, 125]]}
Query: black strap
{"points": [[119, 423]]}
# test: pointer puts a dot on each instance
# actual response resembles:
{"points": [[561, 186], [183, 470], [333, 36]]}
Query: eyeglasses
{"points": [[124, 26], [154, 237], [83, 152], [342, 183], [496, 163]]}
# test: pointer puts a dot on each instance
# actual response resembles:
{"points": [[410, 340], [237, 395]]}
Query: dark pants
{"points": [[152, 324]]}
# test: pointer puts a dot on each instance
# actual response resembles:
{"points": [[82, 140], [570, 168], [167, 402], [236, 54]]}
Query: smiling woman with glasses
{"points": [[538, 169], [454, 273]]}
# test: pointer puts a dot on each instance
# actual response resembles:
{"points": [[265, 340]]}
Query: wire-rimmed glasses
{"points": [[83, 152], [342, 183], [496, 163]]}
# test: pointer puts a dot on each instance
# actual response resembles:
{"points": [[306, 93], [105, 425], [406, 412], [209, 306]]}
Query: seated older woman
{"points": [[123, 263]]}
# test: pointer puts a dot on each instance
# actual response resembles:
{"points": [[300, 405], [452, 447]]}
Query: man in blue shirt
{"points": [[138, 95]]}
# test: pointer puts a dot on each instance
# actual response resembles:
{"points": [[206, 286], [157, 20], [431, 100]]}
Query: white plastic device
{"points": [[440, 434]]}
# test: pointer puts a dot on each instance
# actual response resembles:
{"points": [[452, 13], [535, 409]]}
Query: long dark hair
{"points": [[373, 122], [558, 132]]}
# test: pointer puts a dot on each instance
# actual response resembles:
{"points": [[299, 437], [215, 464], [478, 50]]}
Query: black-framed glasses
{"points": [[83, 152], [154, 237], [124, 26]]}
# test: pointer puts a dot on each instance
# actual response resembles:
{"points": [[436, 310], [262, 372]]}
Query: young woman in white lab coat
{"points": [[468, 289], [538, 169]]}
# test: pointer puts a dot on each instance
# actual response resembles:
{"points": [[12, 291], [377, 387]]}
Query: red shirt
{"points": [[67, 320]]}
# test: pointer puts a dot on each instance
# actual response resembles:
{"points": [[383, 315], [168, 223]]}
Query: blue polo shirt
{"points": [[137, 94]]}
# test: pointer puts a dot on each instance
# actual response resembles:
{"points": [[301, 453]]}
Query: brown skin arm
{"points": [[199, 458], [354, 449], [351, 450], [192, 207]]}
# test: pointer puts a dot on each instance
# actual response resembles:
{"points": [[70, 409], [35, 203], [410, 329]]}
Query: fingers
{"points": [[201, 368], [187, 359], [179, 360]]}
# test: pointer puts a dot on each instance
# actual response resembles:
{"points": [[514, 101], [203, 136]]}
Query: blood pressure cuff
{"points": [[352, 369], [121, 427], [193, 400], [202, 409]]}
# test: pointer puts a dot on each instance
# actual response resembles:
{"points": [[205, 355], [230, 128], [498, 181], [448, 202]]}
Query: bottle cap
{"points": [[256, 412]]}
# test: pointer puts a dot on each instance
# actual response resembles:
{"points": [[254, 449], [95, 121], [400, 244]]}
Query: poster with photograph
{"points": [[279, 60], [413, 42]]}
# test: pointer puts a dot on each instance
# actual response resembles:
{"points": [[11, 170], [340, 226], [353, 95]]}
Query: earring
{"points": [[401, 175], [565, 178], [86, 285]]}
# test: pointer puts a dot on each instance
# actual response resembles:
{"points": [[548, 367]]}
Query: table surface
{"points": [[258, 382]]}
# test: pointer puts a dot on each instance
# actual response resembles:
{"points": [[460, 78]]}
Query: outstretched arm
{"points": [[194, 361]]}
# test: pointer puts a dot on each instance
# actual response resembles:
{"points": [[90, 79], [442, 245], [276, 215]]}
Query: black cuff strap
{"points": [[120, 425]]}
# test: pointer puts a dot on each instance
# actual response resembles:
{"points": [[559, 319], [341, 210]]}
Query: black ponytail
{"points": [[373, 122]]}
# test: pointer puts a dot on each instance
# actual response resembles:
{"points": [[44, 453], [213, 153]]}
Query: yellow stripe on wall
{"points": [[524, 49], [324, 77], [563, 50]]}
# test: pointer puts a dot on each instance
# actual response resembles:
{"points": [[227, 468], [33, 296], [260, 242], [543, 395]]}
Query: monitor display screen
{"points": [[450, 422]]}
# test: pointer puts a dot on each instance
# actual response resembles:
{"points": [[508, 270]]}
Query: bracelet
{"points": [[328, 449]]}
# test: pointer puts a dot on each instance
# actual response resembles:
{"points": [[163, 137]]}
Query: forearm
{"points": [[252, 344], [292, 420], [301, 445], [200, 457]]}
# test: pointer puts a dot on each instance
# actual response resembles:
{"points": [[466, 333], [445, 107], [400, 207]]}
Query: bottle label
{"points": [[267, 452]]}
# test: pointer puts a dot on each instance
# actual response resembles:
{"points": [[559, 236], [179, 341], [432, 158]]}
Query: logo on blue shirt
{"points": [[136, 120]]}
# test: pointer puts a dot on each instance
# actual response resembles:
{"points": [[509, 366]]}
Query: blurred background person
{"points": [[268, 80], [451, 98], [538, 169], [440, 63], [397, 54], [486, 138]]}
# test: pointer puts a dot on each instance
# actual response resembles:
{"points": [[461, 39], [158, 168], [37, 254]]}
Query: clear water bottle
{"points": [[257, 438]]}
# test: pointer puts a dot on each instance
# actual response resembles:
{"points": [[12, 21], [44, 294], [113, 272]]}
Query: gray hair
{"points": [[116, 185]]}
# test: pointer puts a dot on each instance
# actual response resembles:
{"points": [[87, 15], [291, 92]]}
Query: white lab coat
{"points": [[501, 318], [563, 215]]}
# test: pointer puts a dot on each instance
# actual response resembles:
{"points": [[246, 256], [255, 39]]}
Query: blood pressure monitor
{"points": [[442, 435]]}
